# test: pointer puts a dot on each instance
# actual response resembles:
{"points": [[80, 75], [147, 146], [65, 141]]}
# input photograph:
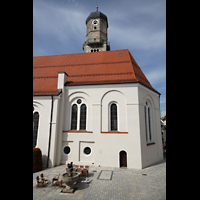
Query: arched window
{"points": [[148, 122], [78, 115], [83, 117], [113, 117], [74, 117], [145, 117], [35, 127]]}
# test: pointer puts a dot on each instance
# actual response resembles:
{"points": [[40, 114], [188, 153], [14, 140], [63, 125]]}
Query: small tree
{"points": [[37, 160]]}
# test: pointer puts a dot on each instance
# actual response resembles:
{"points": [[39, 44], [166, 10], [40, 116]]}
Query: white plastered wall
{"points": [[150, 153], [42, 105], [105, 145]]}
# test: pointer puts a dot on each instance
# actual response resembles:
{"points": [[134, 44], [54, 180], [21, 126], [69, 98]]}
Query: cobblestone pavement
{"points": [[108, 183]]}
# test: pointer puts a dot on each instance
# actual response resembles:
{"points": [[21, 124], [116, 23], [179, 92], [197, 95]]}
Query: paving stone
{"points": [[125, 184]]}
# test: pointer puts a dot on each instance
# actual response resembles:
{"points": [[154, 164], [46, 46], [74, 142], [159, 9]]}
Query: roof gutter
{"points": [[50, 94]]}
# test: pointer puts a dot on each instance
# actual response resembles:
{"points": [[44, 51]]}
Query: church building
{"points": [[95, 108]]}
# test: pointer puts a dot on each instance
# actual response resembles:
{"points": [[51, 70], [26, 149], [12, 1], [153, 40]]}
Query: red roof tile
{"points": [[86, 69]]}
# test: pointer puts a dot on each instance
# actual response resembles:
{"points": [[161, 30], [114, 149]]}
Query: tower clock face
{"points": [[95, 22]]}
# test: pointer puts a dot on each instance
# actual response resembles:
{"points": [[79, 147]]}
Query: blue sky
{"points": [[137, 25]]}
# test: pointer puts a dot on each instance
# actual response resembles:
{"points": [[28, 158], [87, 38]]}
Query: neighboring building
{"points": [[95, 108], [163, 113]]}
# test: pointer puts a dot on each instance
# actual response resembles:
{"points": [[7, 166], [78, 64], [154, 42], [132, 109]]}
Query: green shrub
{"points": [[37, 160]]}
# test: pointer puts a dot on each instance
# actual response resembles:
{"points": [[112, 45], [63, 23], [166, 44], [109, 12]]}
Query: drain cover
{"points": [[105, 175]]}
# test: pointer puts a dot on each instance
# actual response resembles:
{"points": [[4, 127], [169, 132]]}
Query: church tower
{"points": [[96, 35]]}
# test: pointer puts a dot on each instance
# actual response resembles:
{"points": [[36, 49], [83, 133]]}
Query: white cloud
{"points": [[162, 99], [131, 24], [156, 75], [140, 38], [57, 25], [139, 25]]}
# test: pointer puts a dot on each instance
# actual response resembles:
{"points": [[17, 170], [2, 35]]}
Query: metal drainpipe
{"points": [[50, 130]]}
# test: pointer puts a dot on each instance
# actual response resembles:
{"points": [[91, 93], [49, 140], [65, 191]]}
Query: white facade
{"points": [[105, 145]]}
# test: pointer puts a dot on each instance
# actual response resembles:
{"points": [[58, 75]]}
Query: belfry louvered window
{"points": [[113, 117], [78, 115]]}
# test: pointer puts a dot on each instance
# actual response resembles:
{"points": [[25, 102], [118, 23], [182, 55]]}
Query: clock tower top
{"points": [[96, 34]]}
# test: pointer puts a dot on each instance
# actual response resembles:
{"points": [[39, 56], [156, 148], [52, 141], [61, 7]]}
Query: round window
{"points": [[66, 150], [79, 101], [87, 150]]}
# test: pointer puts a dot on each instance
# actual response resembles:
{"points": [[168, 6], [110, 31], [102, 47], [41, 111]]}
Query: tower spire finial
{"points": [[97, 6]]}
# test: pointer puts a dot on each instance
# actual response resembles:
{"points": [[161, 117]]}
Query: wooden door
{"points": [[123, 159]]}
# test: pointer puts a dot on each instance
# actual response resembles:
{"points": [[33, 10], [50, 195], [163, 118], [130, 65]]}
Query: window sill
{"points": [[78, 131], [114, 132], [150, 143]]}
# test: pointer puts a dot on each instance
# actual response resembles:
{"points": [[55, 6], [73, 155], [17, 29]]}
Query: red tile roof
{"points": [[85, 69]]}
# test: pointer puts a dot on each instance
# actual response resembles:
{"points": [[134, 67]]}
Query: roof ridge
{"points": [[136, 74], [64, 54], [81, 53], [130, 58]]}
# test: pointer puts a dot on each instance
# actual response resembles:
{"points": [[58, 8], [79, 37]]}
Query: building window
{"points": [[94, 50], [35, 127], [149, 120], [87, 150], [66, 150], [113, 117], [148, 123], [83, 117], [74, 117], [78, 115], [79, 101], [145, 117]]}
